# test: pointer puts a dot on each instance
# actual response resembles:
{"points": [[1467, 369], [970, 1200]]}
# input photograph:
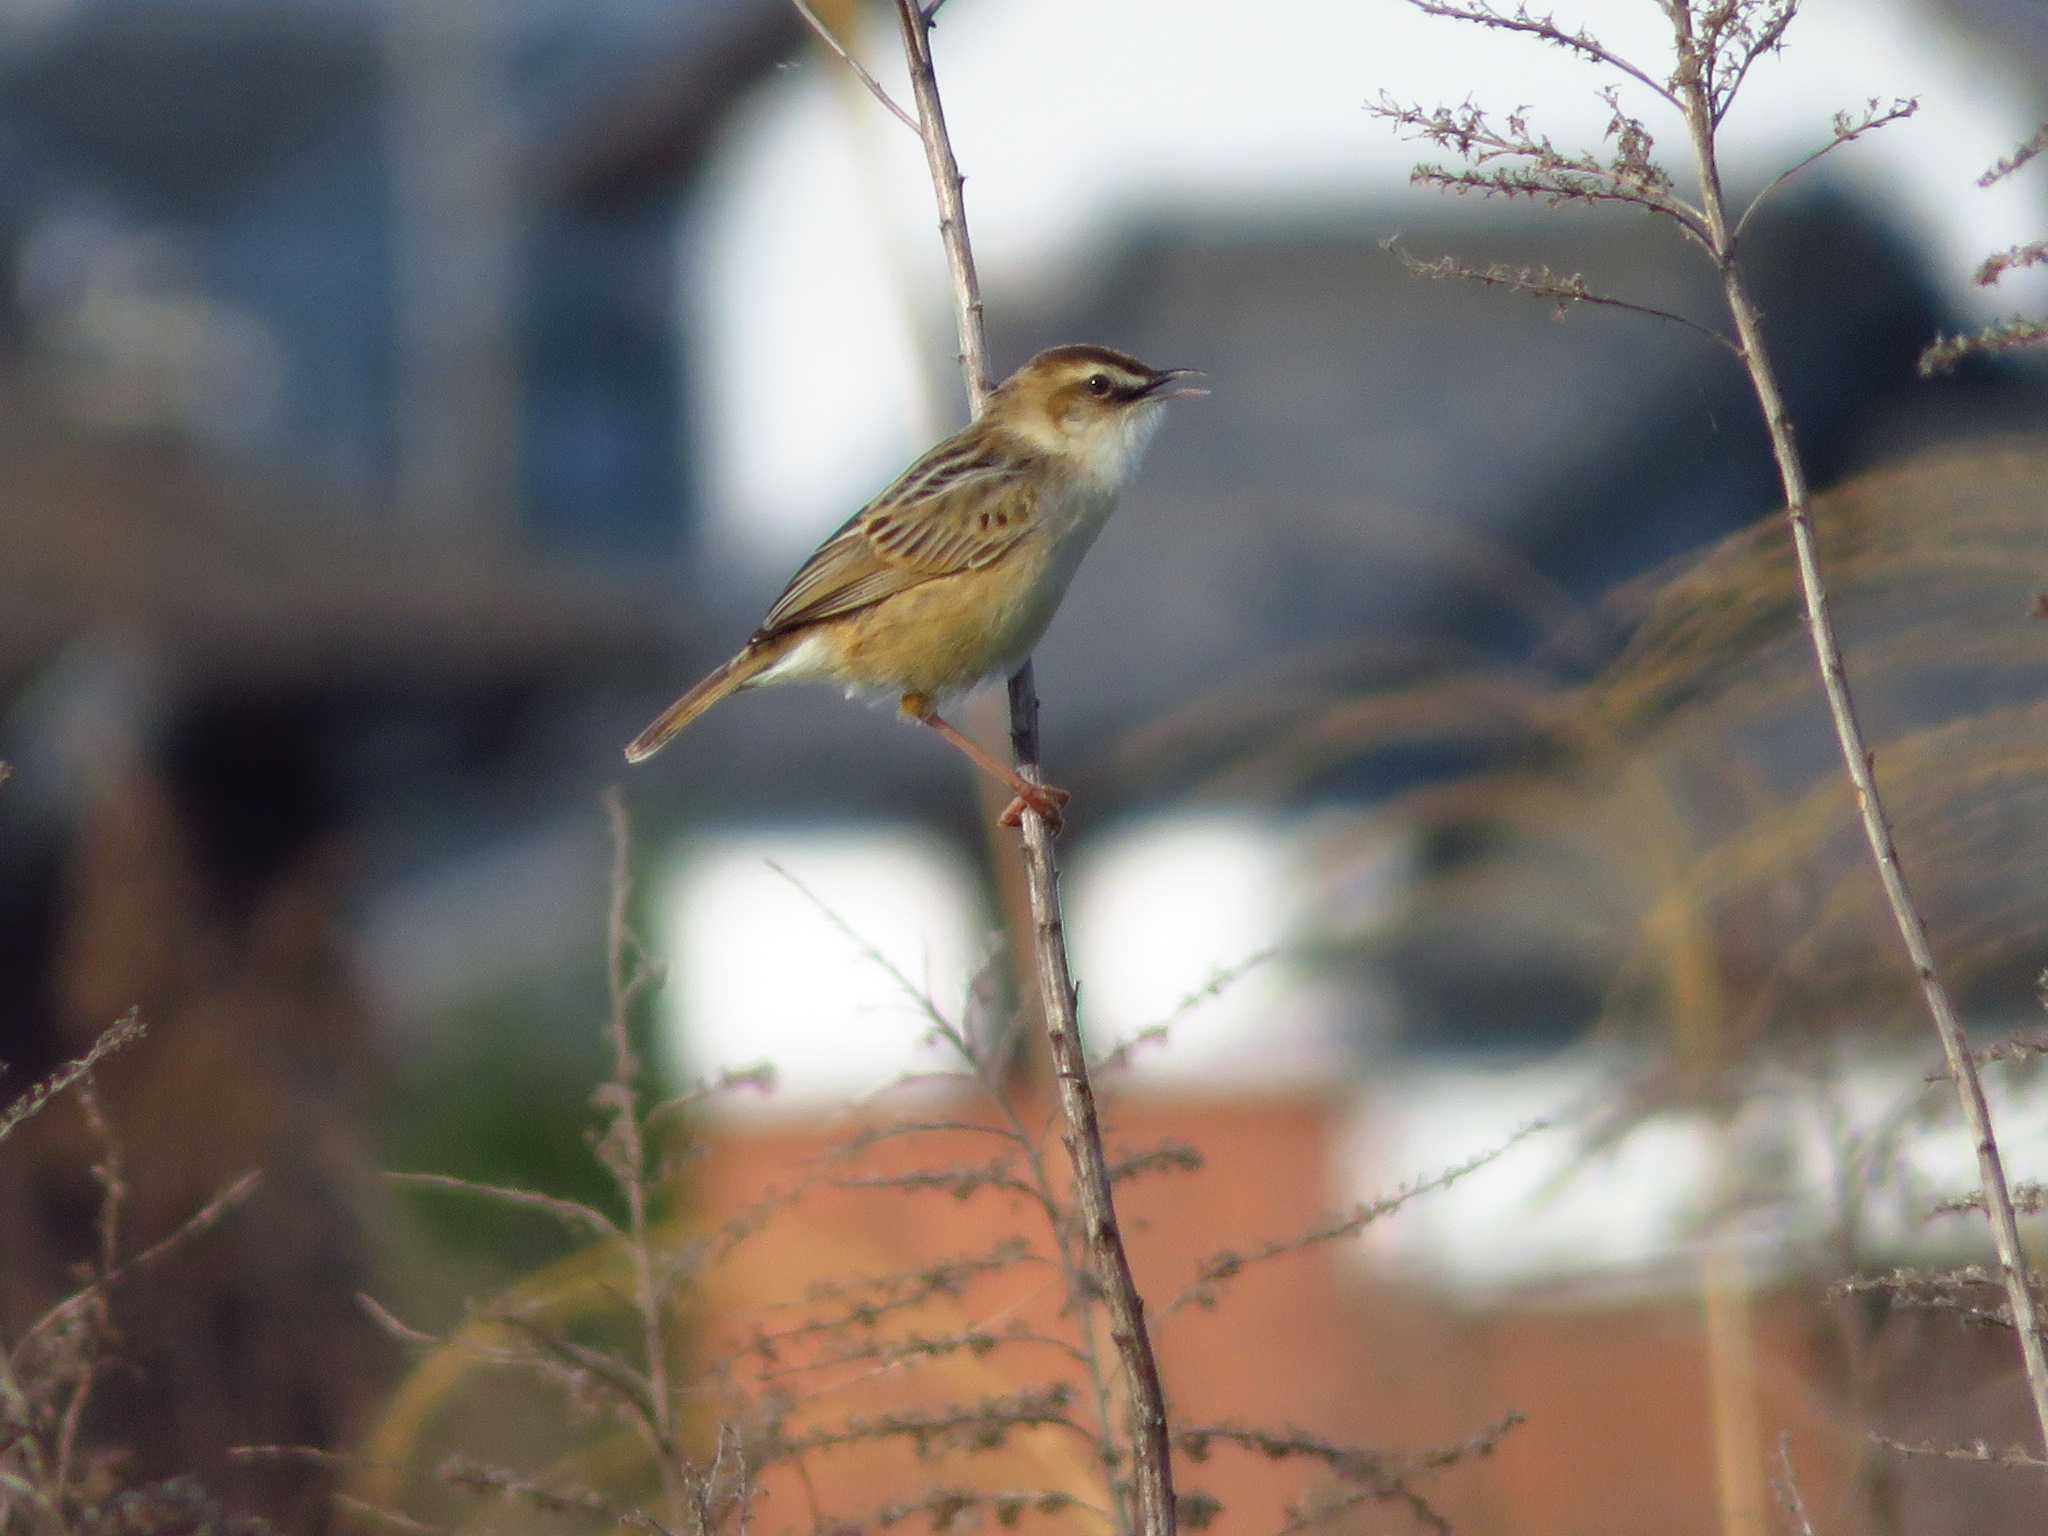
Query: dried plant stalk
{"points": [[1082, 1135], [1714, 47], [1701, 119], [1151, 1464], [622, 1149]]}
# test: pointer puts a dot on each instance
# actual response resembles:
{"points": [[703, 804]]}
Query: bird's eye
{"points": [[1098, 385]]}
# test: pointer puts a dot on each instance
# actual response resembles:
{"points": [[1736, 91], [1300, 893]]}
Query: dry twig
{"points": [[1785, 1483], [874, 86], [1035, 1184], [1857, 757], [622, 1148], [2019, 157], [1228, 1264], [1979, 1451], [123, 1031], [1946, 352]]}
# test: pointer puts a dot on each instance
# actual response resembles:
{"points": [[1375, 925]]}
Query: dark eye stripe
{"points": [[1120, 386]]}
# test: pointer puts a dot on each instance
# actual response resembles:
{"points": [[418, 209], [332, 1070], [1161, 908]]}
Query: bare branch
{"points": [[868, 1300], [109, 1172], [945, 1507], [529, 1347], [123, 1031], [1168, 1157], [942, 1026], [1542, 283], [557, 1499], [1545, 30], [1976, 1450], [1946, 1291], [623, 1151], [876, 1135], [1081, 1288], [1385, 1479], [983, 1425], [1119, 1056], [1346, 1461], [1785, 1484], [1734, 29], [959, 1182], [2027, 1197], [200, 1222], [391, 1519], [395, 1326], [1847, 131], [1320, 1509], [584, 1364], [2019, 1048], [307, 1455], [875, 87], [760, 1078], [973, 1342], [2016, 159], [2012, 259], [2004, 336], [314, 1456], [1226, 1265], [571, 1213], [1512, 160]]}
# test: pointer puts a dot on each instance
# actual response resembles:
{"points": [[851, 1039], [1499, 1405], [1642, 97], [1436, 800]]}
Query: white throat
{"points": [[1109, 455]]}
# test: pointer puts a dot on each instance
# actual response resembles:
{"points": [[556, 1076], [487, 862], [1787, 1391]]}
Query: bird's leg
{"points": [[1045, 799]]}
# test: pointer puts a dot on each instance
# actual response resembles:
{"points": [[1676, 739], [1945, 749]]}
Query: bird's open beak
{"points": [[1158, 388]]}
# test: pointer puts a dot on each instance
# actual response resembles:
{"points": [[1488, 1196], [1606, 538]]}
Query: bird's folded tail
{"points": [[728, 679]]}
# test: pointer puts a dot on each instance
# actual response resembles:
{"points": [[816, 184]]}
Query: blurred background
{"points": [[403, 399]]}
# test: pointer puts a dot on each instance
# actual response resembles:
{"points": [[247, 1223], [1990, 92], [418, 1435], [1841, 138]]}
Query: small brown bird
{"points": [[948, 578]]}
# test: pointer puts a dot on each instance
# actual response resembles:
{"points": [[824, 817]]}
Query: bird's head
{"points": [[1090, 407]]}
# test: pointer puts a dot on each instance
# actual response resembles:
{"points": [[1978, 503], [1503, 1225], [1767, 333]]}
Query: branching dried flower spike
{"points": [[52, 1478]]}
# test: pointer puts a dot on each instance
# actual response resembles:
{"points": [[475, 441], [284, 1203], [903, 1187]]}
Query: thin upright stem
{"points": [[947, 187], [1152, 1466], [1151, 1461], [1856, 755], [629, 978]]}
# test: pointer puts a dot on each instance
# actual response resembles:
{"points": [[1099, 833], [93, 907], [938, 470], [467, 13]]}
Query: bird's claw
{"points": [[1046, 799]]}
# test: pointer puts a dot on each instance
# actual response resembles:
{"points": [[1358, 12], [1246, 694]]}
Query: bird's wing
{"points": [[959, 508]]}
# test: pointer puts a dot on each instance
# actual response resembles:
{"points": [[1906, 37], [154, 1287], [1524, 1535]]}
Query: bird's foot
{"points": [[1046, 799]]}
